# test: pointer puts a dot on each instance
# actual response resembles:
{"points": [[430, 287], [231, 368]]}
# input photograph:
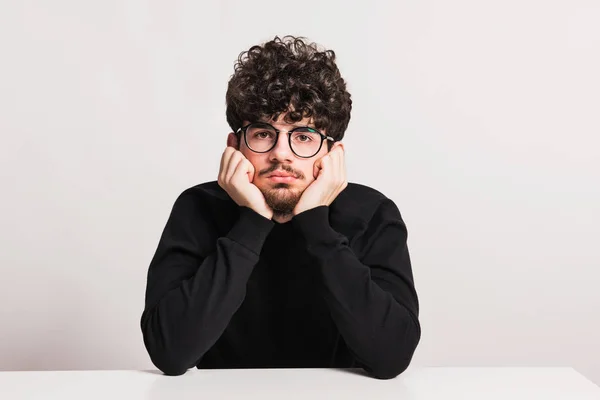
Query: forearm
{"points": [[373, 303], [381, 332], [189, 306], [188, 320]]}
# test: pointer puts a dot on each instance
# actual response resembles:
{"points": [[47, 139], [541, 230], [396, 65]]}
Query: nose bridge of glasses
{"points": [[282, 139]]}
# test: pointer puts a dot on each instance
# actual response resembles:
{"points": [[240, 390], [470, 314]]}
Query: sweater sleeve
{"points": [[373, 301], [191, 296]]}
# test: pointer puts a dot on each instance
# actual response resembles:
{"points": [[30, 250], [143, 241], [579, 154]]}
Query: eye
{"points": [[262, 134], [305, 135]]}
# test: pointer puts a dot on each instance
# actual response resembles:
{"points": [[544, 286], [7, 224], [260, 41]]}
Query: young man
{"points": [[281, 262]]}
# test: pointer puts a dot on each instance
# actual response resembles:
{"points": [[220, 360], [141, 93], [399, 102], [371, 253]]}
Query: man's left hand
{"points": [[330, 174]]}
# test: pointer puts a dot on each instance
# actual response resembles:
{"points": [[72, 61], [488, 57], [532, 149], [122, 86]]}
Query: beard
{"points": [[282, 198]]}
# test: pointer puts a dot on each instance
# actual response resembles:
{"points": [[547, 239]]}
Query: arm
{"points": [[372, 301], [191, 297]]}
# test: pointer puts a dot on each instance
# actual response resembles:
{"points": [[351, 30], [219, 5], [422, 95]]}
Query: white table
{"points": [[288, 384]]}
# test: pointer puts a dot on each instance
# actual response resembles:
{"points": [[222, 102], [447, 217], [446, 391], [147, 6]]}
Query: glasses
{"points": [[305, 142]]}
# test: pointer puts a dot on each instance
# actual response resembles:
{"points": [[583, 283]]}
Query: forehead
{"points": [[281, 122]]}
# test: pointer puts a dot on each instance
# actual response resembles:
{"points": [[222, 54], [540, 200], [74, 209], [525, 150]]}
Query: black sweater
{"points": [[333, 287]]}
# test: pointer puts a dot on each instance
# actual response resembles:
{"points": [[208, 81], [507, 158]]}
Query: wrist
{"points": [[314, 226], [268, 214], [303, 208]]}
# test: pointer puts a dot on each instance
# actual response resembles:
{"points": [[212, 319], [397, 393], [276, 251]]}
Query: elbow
{"points": [[393, 363], [384, 372], [170, 368], [163, 356], [166, 362]]}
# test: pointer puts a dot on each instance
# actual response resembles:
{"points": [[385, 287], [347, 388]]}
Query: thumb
{"points": [[249, 170], [317, 167]]}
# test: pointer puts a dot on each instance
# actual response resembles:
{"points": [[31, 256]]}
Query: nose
{"points": [[282, 152]]}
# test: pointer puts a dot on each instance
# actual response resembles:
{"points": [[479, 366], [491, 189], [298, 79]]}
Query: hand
{"points": [[235, 177], [330, 174]]}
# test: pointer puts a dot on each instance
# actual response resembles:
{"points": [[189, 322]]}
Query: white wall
{"points": [[480, 119]]}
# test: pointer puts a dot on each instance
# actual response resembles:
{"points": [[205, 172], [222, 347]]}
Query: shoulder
{"points": [[206, 191], [358, 204], [206, 202], [207, 195], [363, 191], [359, 200]]}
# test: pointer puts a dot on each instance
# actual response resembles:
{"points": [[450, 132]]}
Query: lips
{"points": [[280, 175]]}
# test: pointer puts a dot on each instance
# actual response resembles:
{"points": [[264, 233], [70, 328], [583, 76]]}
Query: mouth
{"points": [[281, 178]]}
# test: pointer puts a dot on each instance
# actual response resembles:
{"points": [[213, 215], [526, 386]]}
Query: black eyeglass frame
{"points": [[243, 130]]}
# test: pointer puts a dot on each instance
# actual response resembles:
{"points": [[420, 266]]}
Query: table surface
{"points": [[287, 384]]}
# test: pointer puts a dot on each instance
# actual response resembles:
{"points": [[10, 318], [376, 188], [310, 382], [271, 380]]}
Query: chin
{"points": [[279, 188], [282, 197]]}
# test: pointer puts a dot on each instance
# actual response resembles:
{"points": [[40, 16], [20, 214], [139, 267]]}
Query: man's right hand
{"points": [[235, 177]]}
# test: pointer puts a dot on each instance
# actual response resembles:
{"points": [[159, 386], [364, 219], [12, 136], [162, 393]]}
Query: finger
{"points": [[326, 165], [342, 164], [337, 168], [245, 168], [317, 167], [235, 159], [335, 151], [342, 167], [242, 169], [222, 159], [224, 163], [249, 169]]}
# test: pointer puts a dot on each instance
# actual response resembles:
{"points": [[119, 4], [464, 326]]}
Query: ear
{"points": [[233, 141], [338, 144]]}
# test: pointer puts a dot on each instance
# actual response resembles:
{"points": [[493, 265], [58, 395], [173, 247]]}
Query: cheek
{"points": [[308, 171]]}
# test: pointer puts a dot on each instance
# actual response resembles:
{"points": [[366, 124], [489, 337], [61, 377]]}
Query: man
{"points": [[281, 262]]}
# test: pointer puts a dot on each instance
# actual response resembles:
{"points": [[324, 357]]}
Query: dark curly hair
{"points": [[289, 75]]}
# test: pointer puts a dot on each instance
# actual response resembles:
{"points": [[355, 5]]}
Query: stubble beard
{"points": [[282, 199]]}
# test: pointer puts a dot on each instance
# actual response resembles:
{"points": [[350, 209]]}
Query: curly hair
{"points": [[289, 76]]}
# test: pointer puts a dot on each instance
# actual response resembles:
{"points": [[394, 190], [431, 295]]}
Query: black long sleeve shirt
{"points": [[333, 287]]}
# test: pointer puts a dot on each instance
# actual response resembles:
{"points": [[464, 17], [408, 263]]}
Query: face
{"points": [[281, 194]]}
